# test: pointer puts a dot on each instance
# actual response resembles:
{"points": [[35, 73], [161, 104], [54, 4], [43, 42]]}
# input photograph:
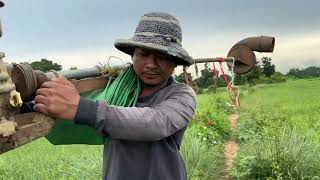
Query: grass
{"points": [[279, 136], [279, 132], [202, 150], [202, 161], [203, 144], [41, 160]]}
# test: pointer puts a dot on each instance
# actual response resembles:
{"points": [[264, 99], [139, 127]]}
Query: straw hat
{"points": [[157, 31]]}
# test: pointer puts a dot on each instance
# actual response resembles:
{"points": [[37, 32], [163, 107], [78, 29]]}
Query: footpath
{"points": [[231, 147]]}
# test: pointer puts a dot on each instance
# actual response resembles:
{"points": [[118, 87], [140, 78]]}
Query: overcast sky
{"points": [[81, 32]]}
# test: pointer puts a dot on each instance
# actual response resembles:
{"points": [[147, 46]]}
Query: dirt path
{"points": [[231, 147]]}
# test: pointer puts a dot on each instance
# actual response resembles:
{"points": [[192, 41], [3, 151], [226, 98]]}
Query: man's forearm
{"points": [[134, 123]]}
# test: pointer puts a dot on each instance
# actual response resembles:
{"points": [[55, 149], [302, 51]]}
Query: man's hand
{"points": [[57, 98]]}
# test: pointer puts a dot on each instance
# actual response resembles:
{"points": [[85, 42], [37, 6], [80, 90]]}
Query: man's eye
{"points": [[165, 58], [143, 53]]}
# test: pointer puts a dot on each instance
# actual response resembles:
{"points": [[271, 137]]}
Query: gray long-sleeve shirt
{"points": [[146, 139]]}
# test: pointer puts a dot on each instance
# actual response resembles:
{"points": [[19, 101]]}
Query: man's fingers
{"points": [[57, 98], [49, 84], [62, 80], [41, 100], [44, 92], [41, 108]]}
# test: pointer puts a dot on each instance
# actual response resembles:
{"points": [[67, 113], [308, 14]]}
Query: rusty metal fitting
{"points": [[242, 51], [25, 80]]}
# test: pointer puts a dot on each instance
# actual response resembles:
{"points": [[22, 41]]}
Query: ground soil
{"points": [[231, 147]]}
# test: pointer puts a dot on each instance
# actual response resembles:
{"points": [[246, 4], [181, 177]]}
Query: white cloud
{"points": [[297, 50], [291, 50], [81, 58]]}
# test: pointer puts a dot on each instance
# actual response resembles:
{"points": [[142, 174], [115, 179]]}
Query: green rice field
{"points": [[278, 134]]}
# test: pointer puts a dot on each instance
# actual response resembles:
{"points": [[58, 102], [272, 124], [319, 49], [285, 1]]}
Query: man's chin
{"points": [[151, 82], [148, 83]]}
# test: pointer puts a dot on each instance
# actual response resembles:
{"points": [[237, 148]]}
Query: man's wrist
{"points": [[86, 112]]}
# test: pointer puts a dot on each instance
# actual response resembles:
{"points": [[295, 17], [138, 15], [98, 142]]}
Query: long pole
{"points": [[216, 59]]}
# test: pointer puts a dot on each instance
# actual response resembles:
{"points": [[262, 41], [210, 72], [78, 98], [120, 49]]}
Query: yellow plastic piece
{"points": [[15, 99]]}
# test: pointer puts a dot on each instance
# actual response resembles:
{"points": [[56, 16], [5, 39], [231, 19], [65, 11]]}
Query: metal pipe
{"points": [[259, 44], [216, 59], [82, 73], [27, 80]]}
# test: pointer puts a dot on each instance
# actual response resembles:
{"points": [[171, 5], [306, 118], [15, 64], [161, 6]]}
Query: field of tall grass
{"points": [[202, 150], [203, 145], [41, 160], [279, 132], [279, 137]]}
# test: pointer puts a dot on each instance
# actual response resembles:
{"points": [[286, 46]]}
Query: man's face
{"points": [[152, 67]]}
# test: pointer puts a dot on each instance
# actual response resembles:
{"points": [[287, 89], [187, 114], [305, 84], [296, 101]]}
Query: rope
{"points": [[230, 85], [196, 69], [232, 82], [186, 78], [185, 74], [216, 73]]}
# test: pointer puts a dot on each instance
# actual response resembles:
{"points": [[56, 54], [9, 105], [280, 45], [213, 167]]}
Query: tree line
{"points": [[263, 72], [309, 72], [46, 65]]}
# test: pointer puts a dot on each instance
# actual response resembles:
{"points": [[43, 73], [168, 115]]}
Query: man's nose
{"points": [[151, 61]]}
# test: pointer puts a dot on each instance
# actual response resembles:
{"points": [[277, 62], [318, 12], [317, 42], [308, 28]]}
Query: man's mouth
{"points": [[151, 73]]}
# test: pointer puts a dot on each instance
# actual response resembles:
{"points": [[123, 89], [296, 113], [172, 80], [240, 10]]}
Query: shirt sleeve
{"points": [[139, 123], [27, 107]]}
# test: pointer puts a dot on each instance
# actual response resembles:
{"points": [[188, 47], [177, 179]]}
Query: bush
{"points": [[202, 147], [212, 118], [202, 161], [287, 155], [277, 77]]}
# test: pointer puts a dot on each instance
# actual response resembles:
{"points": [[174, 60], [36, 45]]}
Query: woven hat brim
{"points": [[128, 46]]}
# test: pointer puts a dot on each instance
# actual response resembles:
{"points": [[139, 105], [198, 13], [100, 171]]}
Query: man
{"points": [[145, 139]]}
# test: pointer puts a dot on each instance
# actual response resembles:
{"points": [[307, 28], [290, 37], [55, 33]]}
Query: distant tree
{"points": [[73, 68], [267, 67], [308, 72], [277, 77], [45, 65], [206, 78], [239, 79], [293, 72], [250, 77], [312, 71], [180, 78]]}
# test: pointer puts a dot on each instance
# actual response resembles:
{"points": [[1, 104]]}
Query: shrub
{"points": [[202, 161], [287, 155], [277, 77]]}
